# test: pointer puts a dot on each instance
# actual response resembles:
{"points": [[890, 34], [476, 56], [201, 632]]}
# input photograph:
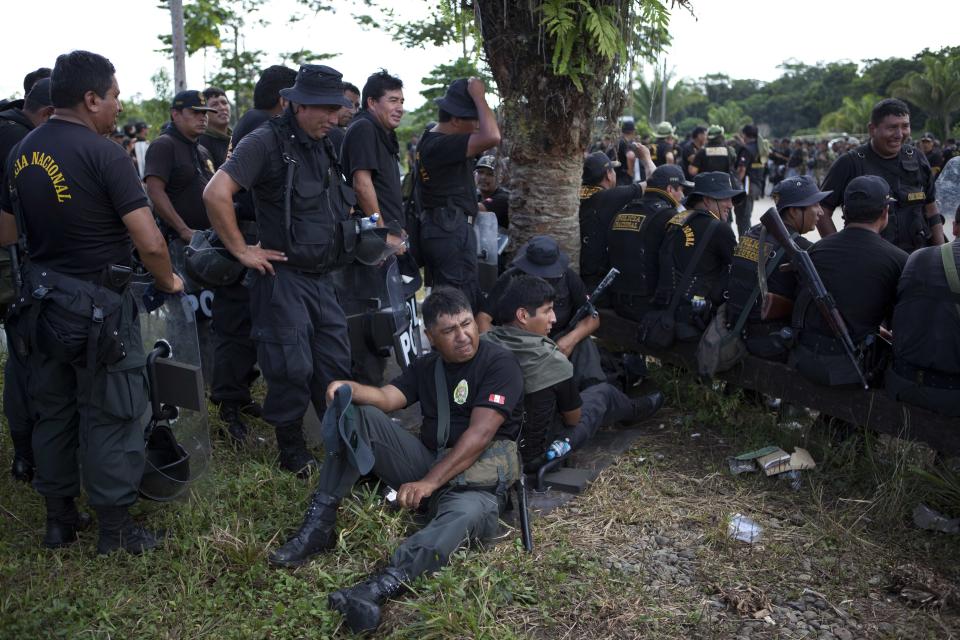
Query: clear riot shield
{"points": [[948, 192], [178, 444], [485, 227], [406, 320]]}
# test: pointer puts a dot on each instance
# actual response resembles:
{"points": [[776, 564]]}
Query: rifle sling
{"points": [[950, 268], [692, 265]]}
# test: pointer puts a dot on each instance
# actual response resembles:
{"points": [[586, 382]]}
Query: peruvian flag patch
{"points": [[497, 398]]}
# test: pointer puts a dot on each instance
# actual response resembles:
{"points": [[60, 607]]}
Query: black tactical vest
{"points": [[716, 158], [634, 248], [908, 227], [312, 225]]}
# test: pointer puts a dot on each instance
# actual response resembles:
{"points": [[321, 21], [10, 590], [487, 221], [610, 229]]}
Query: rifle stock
{"points": [[802, 263]]}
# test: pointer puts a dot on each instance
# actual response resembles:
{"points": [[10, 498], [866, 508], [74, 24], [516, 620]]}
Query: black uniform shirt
{"points": [[185, 169], [446, 173], [257, 165], [571, 295], [217, 145], [597, 208], [685, 231], [491, 379], [499, 203], [75, 187], [634, 238], [14, 127], [714, 157], [749, 157], [860, 270], [844, 170], [369, 146], [926, 324], [743, 273], [247, 123], [624, 172], [543, 408], [660, 151]]}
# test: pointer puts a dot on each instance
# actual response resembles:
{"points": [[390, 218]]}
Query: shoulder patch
{"points": [[716, 151], [748, 248], [678, 219], [628, 222]]}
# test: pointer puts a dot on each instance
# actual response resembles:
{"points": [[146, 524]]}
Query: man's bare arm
{"points": [[366, 194], [387, 398], [825, 224], [489, 132], [484, 423], [484, 321], [583, 330], [152, 248], [156, 189], [218, 199], [571, 418]]}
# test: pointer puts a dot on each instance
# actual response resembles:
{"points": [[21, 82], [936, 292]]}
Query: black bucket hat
{"points": [[801, 191], [713, 184], [317, 84], [457, 102], [541, 256]]}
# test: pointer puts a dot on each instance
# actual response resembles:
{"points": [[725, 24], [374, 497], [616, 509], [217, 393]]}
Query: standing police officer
{"points": [[915, 219], [302, 219], [467, 127], [81, 202], [750, 173], [634, 240], [15, 124]]}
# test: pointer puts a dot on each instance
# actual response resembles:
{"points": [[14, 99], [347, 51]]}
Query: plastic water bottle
{"points": [[558, 448], [369, 222]]}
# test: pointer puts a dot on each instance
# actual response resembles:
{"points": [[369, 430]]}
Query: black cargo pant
{"points": [[603, 404], [461, 515], [91, 423], [235, 352], [16, 408], [302, 343], [448, 246]]}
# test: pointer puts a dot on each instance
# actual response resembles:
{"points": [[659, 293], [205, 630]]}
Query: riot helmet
{"points": [[166, 474], [209, 263]]}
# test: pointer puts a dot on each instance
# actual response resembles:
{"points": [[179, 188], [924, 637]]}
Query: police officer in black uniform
{"points": [[710, 202], [915, 219], [860, 270], [217, 136], [600, 199], [80, 203], [302, 206], [715, 155], [750, 172], [234, 351], [445, 159], [15, 124], [926, 330], [635, 236], [481, 395], [798, 203]]}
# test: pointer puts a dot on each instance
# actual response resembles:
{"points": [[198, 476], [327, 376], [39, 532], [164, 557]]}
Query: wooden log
{"points": [[872, 409]]}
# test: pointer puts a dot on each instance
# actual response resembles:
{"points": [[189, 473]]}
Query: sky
{"points": [[741, 38]]}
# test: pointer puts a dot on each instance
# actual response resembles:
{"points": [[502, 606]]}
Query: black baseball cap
{"points": [[40, 93], [596, 166], [801, 191], [190, 99], [866, 194], [668, 175]]}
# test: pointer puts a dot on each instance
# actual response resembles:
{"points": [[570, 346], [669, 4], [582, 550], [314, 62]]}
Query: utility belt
{"points": [[927, 377], [72, 319], [314, 273]]}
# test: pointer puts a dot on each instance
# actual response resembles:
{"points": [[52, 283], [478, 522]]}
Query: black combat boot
{"points": [[360, 604], [117, 531], [63, 522], [644, 407], [21, 469], [294, 456], [237, 429], [317, 533]]}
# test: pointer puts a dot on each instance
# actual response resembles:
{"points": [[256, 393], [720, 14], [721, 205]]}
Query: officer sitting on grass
{"points": [[469, 428]]}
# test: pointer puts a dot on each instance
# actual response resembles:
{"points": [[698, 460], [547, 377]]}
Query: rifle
{"points": [[587, 308], [801, 262]]}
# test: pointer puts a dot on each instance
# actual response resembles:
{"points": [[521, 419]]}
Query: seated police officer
{"points": [[541, 256], [554, 406], [798, 203], [926, 330], [693, 275], [600, 199], [479, 406], [635, 236], [860, 270], [80, 202], [302, 206]]}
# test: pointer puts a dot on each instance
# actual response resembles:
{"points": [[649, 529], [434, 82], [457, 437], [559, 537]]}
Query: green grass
{"points": [[211, 579]]}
